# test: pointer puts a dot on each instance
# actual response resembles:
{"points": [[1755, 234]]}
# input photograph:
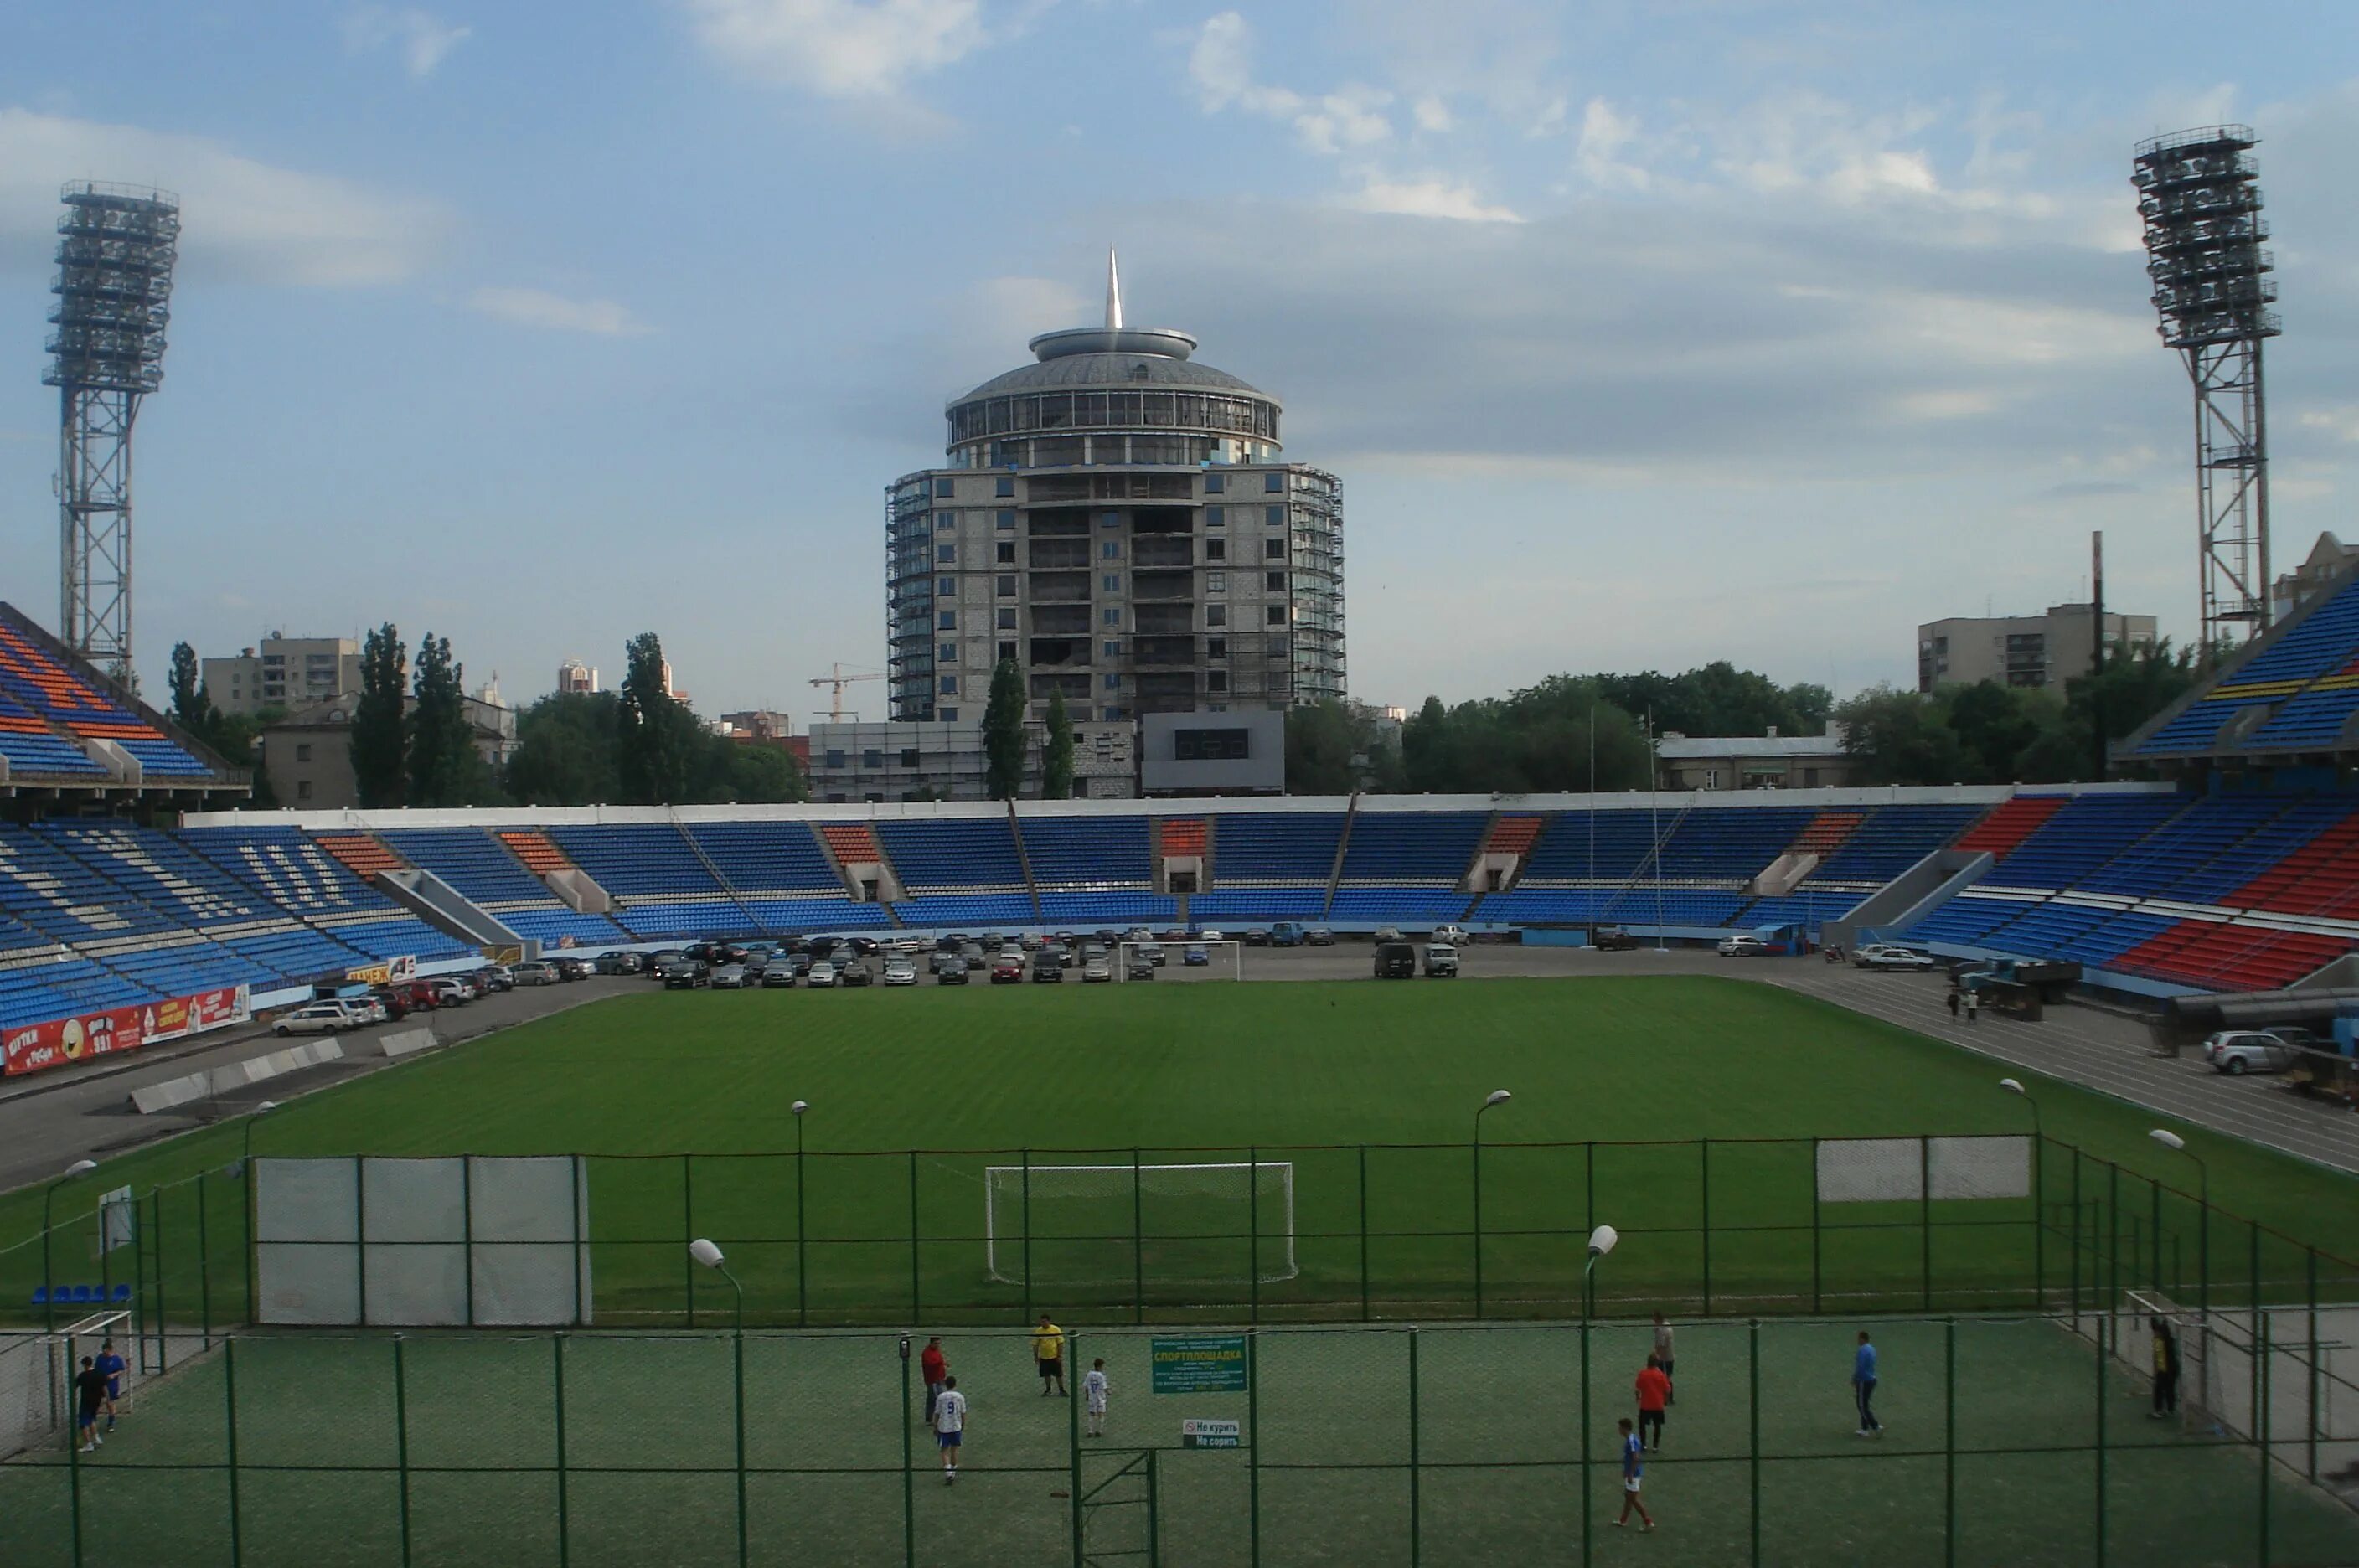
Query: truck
{"points": [[1395, 961], [1285, 933]]}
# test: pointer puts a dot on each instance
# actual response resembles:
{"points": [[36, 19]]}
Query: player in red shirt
{"points": [[933, 1370], [1653, 1393]]}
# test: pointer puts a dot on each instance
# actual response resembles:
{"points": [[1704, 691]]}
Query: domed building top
{"points": [[1080, 381]]}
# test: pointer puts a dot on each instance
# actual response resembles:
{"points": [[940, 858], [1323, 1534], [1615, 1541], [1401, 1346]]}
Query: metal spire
{"points": [[1114, 293]]}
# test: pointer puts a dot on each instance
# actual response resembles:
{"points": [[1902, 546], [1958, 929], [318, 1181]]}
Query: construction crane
{"points": [[839, 679]]}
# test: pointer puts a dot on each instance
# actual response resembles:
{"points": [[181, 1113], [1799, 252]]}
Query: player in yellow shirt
{"points": [[1048, 1350]]}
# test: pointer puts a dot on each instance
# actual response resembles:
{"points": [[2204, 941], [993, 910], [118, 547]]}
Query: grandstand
{"points": [[68, 736]]}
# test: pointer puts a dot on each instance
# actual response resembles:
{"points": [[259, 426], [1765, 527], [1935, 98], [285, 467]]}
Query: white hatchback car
{"points": [[1743, 947], [1453, 935], [320, 1018]]}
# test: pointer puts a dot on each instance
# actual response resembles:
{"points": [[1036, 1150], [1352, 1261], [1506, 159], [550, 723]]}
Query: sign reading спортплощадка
{"points": [[1200, 1363]]}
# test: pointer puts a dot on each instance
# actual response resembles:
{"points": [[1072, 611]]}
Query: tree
{"points": [[656, 750], [1057, 756], [1995, 724], [192, 707], [380, 735], [1003, 733], [760, 774], [566, 751], [1901, 737], [443, 759]]}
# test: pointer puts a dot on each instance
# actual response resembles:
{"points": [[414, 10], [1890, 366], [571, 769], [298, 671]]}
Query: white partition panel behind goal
{"points": [[1910, 1170], [440, 1243], [1168, 1226]]}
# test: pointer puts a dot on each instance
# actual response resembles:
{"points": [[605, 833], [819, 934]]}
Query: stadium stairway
{"points": [[860, 862], [293, 871], [1183, 853]]}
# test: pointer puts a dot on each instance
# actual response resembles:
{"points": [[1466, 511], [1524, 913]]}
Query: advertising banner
{"points": [[391, 972], [54, 1043]]}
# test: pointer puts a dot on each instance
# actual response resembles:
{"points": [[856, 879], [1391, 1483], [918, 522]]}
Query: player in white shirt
{"points": [[1094, 1394], [950, 1428]]}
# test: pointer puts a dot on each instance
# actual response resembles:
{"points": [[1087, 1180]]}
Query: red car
{"points": [[1008, 969]]}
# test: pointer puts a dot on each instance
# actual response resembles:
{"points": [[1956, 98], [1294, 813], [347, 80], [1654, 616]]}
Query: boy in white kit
{"points": [[1093, 1395]]}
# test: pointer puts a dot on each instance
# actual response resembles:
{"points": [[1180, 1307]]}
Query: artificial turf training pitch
{"points": [[1261, 1071]]}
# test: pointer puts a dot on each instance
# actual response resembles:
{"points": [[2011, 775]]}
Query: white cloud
{"points": [[1219, 63], [839, 49], [240, 218], [1432, 114], [555, 313], [1431, 199], [422, 38], [2342, 424], [1604, 136]]}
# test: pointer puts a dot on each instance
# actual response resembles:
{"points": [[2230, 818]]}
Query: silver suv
{"points": [[2239, 1052]]}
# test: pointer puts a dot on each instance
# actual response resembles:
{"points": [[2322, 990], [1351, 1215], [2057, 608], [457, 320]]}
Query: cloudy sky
{"points": [[1642, 333]]}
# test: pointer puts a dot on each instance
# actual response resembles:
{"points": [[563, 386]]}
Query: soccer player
{"points": [[1654, 1392], [1863, 1383], [1633, 1472], [950, 1428], [90, 1392], [1663, 1356], [2166, 1370], [1094, 1394], [1049, 1352], [933, 1368], [112, 1365]]}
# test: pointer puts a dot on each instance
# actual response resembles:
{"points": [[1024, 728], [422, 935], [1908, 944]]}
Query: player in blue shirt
{"points": [[111, 1366], [1862, 1384], [1633, 1473]]}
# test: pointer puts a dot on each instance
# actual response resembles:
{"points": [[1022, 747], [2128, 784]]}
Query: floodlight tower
{"points": [[2199, 196], [115, 250]]}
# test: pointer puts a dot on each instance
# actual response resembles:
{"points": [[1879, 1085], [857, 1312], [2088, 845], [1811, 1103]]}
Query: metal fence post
{"points": [[1253, 1447], [2310, 1425], [2112, 1318], [1815, 1292], [1949, 1442], [1416, 1457], [467, 1229], [2097, 1360], [360, 1252], [1753, 1427], [1364, 1233], [1705, 1168], [2076, 1241], [1138, 1241], [687, 1234], [1253, 1221], [908, 1476], [2039, 1221], [401, 1438], [564, 1515], [917, 1292], [1073, 1452], [74, 1479], [737, 1370], [2263, 1376], [205, 1270], [1025, 1158], [1925, 1224], [1588, 1525], [229, 1417]]}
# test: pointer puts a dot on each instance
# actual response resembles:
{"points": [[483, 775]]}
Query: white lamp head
{"points": [[2011, 1086], [1602, 1240], [265, 1109], [800, 1106], [705, 1252], [2168, 1139], [1498, 1097], [80, 1166]]}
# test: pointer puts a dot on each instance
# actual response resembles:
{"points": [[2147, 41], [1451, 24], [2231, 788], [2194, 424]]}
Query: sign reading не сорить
{"points": [[1200, 1363]]}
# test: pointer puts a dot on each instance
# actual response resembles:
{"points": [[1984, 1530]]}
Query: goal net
{"points": [[1223, 960], [1221, 1223], [37, 1373]]}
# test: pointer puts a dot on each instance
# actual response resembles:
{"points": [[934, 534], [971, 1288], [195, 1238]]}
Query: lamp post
{"points": [[80, 1168], [251, 1117], [253, 1200], [802, 1274], [1601, 1242], [710, 1255], [2039, 1192], [2178, 1145], [1496, 1097]]}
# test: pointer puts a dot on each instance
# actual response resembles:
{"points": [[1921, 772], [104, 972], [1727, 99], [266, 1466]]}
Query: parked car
{"points": [[1047, 967], [494, 977], [1194, 956], [728, 977], [1137, 969], [533, 971], [851, 972], [1455, 936], [1612, 939], [657, 960], [1894, 958], [1208, 934], [683, 974], [574, 967], [778, 976], [1030, 941], [2239, 1052], [863, 946], [1152, 951], [1256, 936], [1138, 933], [396, 1007], [621, 962], [1171, 934], [1395, 961], [1008, 969], [1096, 970], [1285, 934], [1440, 961], [1319, 936], [1743, 947], [800, 963], [950, 942], [450, 991], [952, 974], [320, 1018], [900, 972], [1386, 933], [908, 942]]}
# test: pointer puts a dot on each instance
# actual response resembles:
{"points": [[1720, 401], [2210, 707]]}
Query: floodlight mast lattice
{"points": [[117, 247], [2199, 197]]}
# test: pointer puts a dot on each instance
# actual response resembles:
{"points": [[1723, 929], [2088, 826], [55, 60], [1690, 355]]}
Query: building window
{"points": [[908, 757], [871, 757], [835, 759], [1112, 714], [1007, 584], [1109, 520], [946, 587], [1008, 619], [1216, 582], [1111, 618], [948, 715], [1214, 483], [302, 789], [942, 489], [1217, 516], [945, 522], [1008, 650], [1274, 483], [1274, 582], [1112, 647], [947, 620], [1113, 683], [1110, 549], [1216, 549], [1712, 778], [1216, 680], [950, 686], [1276, 615], [1005, 486], [1111, 582], [947, 554], [1272, 550], [1006, 519], [303, 751], [1810, 777], [1006, 555], [1216, 614], [947, 652], [1216, 647]]}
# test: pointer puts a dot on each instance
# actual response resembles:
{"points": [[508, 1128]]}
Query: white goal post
{"points": [[1219, 1223], [2196, 1342], [1225, 959], [37, 1373]]}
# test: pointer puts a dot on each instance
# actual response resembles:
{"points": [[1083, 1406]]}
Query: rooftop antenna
{"points": [[1114, 293]]}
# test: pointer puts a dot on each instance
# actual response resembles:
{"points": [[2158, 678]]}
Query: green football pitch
{"points": [[1448, 1442]]}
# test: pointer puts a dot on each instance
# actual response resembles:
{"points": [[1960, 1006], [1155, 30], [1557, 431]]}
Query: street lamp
{"points": [[709, 1254], [1496, 1097], [251, 1117], [2038, 1190], [48, 1286], [1601, 1242], [2178, 1145], [802, 1275]]}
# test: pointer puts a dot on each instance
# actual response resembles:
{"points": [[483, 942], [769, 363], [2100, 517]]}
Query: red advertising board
{"points": [[53, 1043]]}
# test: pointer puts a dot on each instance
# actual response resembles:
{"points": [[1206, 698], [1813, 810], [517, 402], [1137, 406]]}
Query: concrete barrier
{"points": [[185, 1090], [406, 1042]]}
